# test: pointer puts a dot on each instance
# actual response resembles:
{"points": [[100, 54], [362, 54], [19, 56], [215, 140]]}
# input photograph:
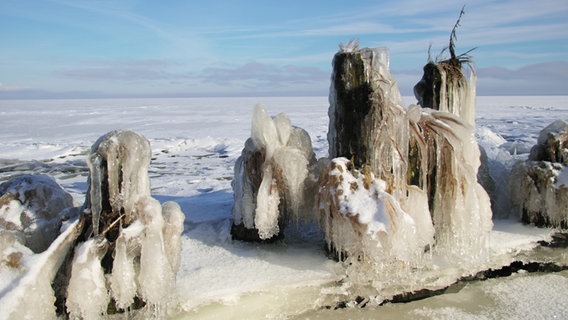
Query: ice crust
{"points": [[32, 295]]}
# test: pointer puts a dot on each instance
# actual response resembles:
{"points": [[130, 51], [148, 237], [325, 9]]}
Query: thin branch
{"points": [[102, 234], [453, 36]]}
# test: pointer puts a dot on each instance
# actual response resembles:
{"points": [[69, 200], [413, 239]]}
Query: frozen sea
{"points": [[195, 143]]}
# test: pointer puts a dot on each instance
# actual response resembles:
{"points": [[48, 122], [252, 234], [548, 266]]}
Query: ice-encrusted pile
{"points": [[427, 159], [271, 183], [126, 245], [129, 227]]}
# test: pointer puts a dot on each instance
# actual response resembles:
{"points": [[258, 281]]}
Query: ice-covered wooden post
{"points": [[367, 122], [118, 165], [444, 87], [369, 127], [425, 160], [130, 246], [271, 178]]}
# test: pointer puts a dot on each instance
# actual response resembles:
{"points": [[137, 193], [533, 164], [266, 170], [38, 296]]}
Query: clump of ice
{"points": [[270, 175], [147, 236], [118, 165], [87, 293], [460, 207], [539, 192], [361, 219]]}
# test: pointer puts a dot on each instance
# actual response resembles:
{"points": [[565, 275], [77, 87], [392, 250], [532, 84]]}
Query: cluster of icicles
{"points": [[415, 196], [146, 252]]}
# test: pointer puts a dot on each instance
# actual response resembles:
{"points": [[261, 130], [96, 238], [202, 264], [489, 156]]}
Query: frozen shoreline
{"points": [[195, 143]]}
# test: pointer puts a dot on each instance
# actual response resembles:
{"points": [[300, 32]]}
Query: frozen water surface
{"points": [[194, 145]]}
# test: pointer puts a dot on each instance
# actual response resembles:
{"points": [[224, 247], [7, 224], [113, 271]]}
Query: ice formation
{"points": [[33, 296], [271, 177], [133, 243], [31, 209], [87, 293], [427, 159], [118, 163], [361, 219], [538, 186], [460, 207], [444, 87]]}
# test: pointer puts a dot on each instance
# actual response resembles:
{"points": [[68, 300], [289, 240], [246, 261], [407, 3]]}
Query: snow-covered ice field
{"points": [[195, 143]]}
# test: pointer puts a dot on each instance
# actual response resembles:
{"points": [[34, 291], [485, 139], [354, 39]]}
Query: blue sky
{"points": [[142, 48]]}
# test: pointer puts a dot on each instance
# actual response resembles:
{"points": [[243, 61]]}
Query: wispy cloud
{"points": [[120, 70], [259, 74]]}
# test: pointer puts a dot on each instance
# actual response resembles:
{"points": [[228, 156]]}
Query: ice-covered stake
{"points": [[271, 178], [118, 165], [427, 159], [142, 236]]}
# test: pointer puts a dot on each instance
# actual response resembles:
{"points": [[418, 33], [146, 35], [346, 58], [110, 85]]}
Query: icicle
{"points": [[123, 277], [87, 294], [173, 228], [268, 199], [155, 278], [95, 187]]}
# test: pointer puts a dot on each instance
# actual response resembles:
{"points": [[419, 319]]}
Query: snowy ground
{"points": [[195, 143]]}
